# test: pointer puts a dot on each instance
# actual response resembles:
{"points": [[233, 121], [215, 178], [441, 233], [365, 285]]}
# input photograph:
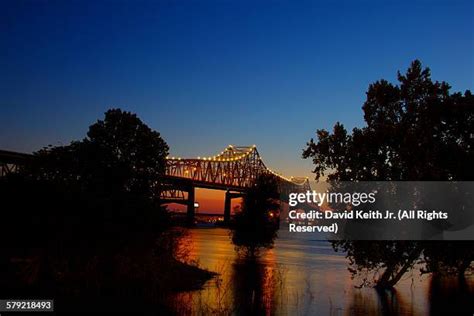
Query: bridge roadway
{"points": [[11, 161], [233, 170]]}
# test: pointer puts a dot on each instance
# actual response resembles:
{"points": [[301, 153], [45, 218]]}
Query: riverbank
{"points": [[101, 280]]}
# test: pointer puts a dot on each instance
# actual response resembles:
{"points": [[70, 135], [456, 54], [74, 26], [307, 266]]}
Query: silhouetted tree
{"points": [[119, 154], [113, 171], [416, 131], [92, 197], [255, 225], [453, 257]]}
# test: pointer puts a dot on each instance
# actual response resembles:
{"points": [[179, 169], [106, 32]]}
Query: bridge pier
{"points": [[227, 204], [190, 210]]}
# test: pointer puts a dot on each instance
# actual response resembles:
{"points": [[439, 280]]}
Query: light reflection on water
{"points": [[300, 276]]}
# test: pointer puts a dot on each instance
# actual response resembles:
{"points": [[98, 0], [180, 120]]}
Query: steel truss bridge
{"points": [[233, 170], [11, 162]]}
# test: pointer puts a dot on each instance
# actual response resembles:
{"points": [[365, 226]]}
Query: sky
{"points": [[206, 74]]}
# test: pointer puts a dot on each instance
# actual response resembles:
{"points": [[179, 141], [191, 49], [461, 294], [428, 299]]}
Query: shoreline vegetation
{"points": [[83, 224], [416, 130], [99, 279]]}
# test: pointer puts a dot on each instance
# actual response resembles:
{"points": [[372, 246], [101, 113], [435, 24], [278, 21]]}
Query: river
{"points": [[301, 276]]}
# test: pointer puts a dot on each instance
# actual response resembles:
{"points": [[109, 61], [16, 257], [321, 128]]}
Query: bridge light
{"points": [[199, 157], [172, 158]]}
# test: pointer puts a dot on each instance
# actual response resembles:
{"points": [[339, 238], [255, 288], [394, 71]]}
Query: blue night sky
{"points": [[209, 74]]}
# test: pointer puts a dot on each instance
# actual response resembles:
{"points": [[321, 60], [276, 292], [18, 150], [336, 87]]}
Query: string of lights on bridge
{"points": [[230, 150]]}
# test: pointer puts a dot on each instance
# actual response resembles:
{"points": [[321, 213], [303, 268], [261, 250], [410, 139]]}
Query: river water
{"points": [[301, 276]]}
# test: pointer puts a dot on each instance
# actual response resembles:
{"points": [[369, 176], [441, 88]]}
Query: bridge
{"points": [[233, 170], [11, 161]]}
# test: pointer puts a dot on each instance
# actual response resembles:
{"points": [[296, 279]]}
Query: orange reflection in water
{"points": [[243, 286], [304, 276]]}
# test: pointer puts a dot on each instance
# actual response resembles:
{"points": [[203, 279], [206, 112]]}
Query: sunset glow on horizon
{"points": [[210, 201]]}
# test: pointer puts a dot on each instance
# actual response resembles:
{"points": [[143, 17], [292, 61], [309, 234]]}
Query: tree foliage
{"points": [[99, 188], [255, 226], [119, 154], [415, 131]]}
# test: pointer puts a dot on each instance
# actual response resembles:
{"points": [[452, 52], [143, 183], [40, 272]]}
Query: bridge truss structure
{"points": [[12, 162], [233, 170]]}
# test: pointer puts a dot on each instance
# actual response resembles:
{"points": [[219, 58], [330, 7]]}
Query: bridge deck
{"points": [[12, 157]]}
